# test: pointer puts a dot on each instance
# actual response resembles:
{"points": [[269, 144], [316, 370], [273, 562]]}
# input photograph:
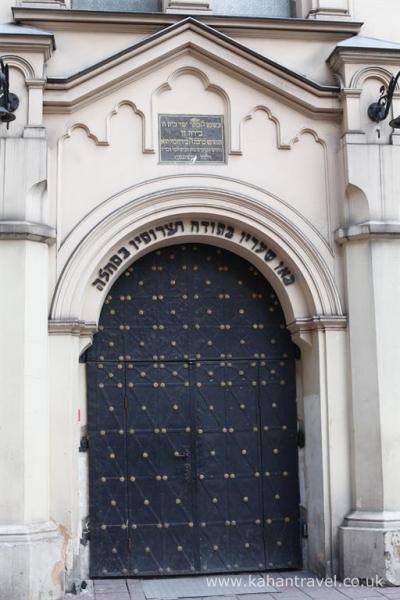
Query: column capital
{"points": [[24, 230], [318, 322], [369, 230], [72, 327]]}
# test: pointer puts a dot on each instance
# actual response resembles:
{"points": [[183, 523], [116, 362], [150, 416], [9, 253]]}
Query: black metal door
{"points": [[192, 421]]}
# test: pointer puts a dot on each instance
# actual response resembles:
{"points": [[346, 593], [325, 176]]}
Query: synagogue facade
{"points": [[199, 259]]}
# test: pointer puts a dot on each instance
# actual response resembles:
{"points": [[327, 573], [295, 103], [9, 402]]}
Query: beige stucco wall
{"points": [[377, 18]]}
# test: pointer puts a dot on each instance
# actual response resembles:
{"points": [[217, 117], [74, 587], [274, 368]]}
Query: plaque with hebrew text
{"points": [[191, 138]]}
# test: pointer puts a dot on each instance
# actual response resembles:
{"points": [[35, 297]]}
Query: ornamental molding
{"points": [[192, 38], [72, 327], [168, 86], [22, 40], [25, 230], [372, 72], [369, 57], [106, 140], [144, 23], [370, 230], [138, 226], [22, 64], [318, 323], [384, 520], [197, 186], [29, 533]]}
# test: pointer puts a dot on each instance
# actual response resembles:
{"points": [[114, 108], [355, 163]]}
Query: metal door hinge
{"points": [[84, 444], [85, 538], [301, 437], [304, 529]]}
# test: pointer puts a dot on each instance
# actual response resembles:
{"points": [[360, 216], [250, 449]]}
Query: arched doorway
{"points": [[192, 420]]}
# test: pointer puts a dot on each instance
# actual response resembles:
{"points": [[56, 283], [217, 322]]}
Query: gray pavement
{"points": [[299, 585]]}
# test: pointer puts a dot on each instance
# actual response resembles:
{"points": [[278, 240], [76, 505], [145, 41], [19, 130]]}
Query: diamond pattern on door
{"points": [[192, 421]]}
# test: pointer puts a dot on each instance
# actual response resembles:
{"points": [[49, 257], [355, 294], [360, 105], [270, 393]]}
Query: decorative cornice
{"points": [[16, 38], [362, 56], [318, 323], [17, 45], [369, 230], [70, 327], [207, 31], [67, 95], [152, 21], [24, 230]]}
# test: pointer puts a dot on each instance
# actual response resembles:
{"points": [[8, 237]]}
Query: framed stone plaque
{"points": [[191, 138]]}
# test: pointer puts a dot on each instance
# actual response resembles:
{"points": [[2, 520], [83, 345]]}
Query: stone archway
{"points": [[310, 304]]}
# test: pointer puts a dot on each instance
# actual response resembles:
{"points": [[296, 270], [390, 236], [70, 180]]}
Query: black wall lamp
{"points": [[378, 111], [8, 102]]}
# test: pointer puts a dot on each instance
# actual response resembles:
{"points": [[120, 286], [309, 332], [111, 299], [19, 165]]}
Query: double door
{"points": [[192, 420], [193, 467]]}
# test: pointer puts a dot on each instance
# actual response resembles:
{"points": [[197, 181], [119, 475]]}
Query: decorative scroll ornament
{"points": [[378, 111]]}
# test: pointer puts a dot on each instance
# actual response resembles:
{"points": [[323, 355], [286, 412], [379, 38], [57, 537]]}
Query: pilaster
{"points": [[371, 531], [32, 545], [68, 466], [370, 237], [325, 388]]}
